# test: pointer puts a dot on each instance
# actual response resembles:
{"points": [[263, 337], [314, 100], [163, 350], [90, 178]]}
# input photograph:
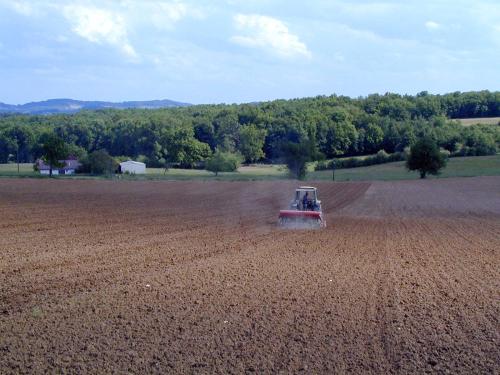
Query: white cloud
{"points": [[432, 25], [161, 14], [21, 7], [270, 34], [100, 26], [165, 14], [173, 11]]}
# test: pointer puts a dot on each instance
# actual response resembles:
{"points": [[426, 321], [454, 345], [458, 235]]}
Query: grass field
{"points": [[479, 120], [25, 169], [457, 167], [253, 172]]}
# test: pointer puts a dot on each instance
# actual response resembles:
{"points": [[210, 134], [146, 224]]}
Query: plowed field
{"points": [[194, 277]]}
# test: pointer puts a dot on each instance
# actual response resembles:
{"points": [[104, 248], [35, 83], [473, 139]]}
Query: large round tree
{"points": [[54, 150], [425, 157], [223, 162]]}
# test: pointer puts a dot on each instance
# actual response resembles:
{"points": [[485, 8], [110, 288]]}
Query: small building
{"points": [[132, 167], [69, 166]]}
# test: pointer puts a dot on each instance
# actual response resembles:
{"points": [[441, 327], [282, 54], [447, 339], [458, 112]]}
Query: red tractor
{"points": [[305, 210]]}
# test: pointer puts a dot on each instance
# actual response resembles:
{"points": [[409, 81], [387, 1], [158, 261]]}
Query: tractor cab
{"points": [[306, 199]]}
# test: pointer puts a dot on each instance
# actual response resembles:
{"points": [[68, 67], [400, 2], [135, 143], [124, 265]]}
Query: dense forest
{"points": [[334, 126]]}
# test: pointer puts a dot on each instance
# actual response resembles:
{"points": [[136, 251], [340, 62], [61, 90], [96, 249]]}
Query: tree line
{"points": [[280, 130]]}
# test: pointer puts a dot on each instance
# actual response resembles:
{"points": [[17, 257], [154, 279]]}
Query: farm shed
{"points": [[133, 167]]}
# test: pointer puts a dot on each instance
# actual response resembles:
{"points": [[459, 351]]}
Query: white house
{"points": [[69, 166], [133, 167]]}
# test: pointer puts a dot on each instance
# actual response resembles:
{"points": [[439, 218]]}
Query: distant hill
{"points": [[71, 106]]}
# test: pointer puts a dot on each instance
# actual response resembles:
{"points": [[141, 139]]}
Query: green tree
{"points": [[478, 142], [297, 155], [223, 162], [54, 149], [192, 152], [204, 132], [7, 148], [178, 145], [341, 125], [76, 151], [252, 143], [373, 138], [336, 138], [100, 162], [226, 128], [24, 140], [425, 157]]}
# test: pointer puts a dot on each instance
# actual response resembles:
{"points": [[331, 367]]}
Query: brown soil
{"points": [[195, 277]]}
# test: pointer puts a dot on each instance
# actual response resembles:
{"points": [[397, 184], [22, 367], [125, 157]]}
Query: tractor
{"points": [[304, 211]]}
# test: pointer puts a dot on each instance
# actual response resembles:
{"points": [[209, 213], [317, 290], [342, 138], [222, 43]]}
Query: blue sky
{"points": [[236, 51]]}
